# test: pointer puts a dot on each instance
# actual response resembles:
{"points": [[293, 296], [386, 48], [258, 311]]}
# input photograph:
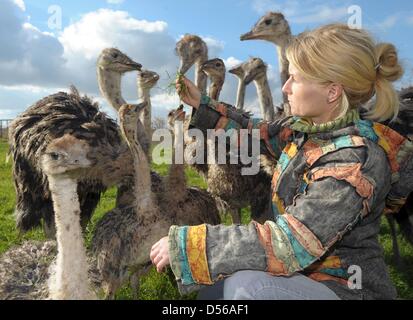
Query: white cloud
{"points": [[302, 12], [389, 22], [37, 63], [20, 4], [231, 62]]}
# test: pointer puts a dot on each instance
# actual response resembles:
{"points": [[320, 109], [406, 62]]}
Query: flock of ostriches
{"points": [[66, 152]]}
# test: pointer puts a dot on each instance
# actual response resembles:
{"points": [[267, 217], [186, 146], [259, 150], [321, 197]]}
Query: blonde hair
{"points": [[336, 53]]}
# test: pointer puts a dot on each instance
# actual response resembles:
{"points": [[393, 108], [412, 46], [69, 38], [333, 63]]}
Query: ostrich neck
{"points": [[110, 87], [283, 64], [265, 98], [146, 116], [200, 76], [215, 88], [176, 182], [240, 94], [71, 274], [143, 192]]}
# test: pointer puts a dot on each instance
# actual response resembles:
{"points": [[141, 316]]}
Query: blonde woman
{"points": [[334, 172]]}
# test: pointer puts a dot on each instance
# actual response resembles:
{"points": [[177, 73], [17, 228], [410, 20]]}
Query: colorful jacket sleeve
{"points": [[218, 115], [343, 187]]}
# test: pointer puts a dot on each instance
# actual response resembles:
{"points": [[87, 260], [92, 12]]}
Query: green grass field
{"points": [[158, 286]]}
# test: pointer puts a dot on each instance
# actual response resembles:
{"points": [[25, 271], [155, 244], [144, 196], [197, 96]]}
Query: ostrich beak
{"points": [[134, 66], [184, 67], [247, 36]]}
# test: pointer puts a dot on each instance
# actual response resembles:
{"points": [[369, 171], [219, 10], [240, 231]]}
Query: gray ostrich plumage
{"points": [[29, 134], [123, 237], [56, 115], [403, 124]]}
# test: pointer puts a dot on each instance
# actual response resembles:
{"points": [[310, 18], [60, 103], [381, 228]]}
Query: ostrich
{"points": [[225, 182], [123, 238], [35, 270], [273, 27], [193, 50], [215, 70], [257, 72], [51, 118], [111, 65], [146, 81], [404, 217], [239, 72]]}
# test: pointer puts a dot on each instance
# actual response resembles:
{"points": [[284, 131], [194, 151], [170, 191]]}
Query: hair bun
{"points": [[388, 67]]}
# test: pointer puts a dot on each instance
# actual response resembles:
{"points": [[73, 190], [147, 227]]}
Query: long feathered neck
{"points": [[215, 87], [69, 280], [200, 76], [240, 94], [143, 192], [146, 117], [265, 98], [281, 44], [110, 87], [176, 182]]}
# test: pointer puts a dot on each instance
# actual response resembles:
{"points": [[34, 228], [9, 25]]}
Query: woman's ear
{"points": [[335, 91]]}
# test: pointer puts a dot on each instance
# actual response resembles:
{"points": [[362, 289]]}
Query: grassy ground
{"points": [[158, 286]]}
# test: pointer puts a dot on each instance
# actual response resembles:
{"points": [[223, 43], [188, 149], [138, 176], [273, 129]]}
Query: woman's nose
{"points": [[286, 87]]}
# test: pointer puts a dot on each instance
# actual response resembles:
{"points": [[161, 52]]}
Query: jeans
{"points": [[259, 285]]}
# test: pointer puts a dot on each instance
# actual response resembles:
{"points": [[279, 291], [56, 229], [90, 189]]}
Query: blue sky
{"points": [[36, 60]]}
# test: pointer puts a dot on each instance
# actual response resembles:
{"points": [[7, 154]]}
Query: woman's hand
{"points": [[190, 94], [160, 254]]}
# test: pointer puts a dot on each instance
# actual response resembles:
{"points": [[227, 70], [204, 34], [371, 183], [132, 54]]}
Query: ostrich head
{"points": [[214, 68], [254, 69], [65, 155], [112, 59], [130, 125], [147, 79], [176, 115], [271, 27], [190, 49], [238, 70]]}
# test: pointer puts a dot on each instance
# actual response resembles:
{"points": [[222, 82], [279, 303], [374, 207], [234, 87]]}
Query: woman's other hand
{"points": [[160, 254], [190, 94]]}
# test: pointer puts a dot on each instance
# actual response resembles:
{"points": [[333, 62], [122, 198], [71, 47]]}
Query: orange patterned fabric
{"points": [[222, 109], [391, 142], [304, 236], [279, 203], [351, 173], [285, 133], [312, 151], [331, 262], [196, 252], [222, 123], [317, 276], [264, 136], [274, 265]]}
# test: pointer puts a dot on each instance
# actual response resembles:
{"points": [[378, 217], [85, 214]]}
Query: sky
{"points": [[48, 45]]}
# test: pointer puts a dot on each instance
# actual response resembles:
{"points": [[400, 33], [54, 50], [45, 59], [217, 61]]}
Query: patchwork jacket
{"points": [[329, 191]]}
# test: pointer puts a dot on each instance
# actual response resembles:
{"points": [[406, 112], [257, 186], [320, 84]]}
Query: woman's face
{"points": [[307, 98]]}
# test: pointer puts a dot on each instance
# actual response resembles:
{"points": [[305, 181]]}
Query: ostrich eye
{"points": [[54, 156], [268, 22], [115, 55], [218, 65]]}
